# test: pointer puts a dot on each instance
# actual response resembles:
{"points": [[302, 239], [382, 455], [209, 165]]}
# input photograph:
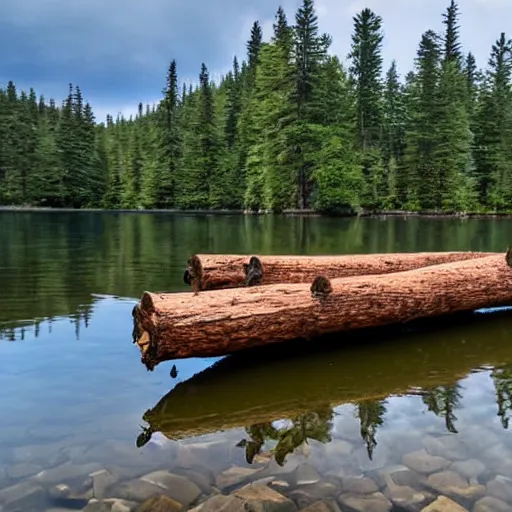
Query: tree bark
{"points": [[220, 271], [181, 325]]}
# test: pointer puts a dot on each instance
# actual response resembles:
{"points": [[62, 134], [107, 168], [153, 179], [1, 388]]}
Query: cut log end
{"points": [[193, 275], [141, 336], [253, 271], [147, 349], [321, 287], [136, 330], [508, 256]]}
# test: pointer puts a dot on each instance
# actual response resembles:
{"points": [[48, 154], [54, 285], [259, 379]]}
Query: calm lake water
{"points": [[390, 424]]}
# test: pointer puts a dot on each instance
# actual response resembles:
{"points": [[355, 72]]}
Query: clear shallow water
{"points": [[74, 395]]}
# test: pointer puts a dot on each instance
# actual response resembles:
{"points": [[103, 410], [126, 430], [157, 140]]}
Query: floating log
{"points": [[181, 325], [247, 389], [220, 271]]}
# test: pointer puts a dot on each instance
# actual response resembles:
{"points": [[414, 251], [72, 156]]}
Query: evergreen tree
{"points": [[366, 70], [309, 53], [422, 130], [169, 145], [283, 33], [473, 77], [393, 138], [254, 45], [452, 46], [493, 137], [48, 162]]}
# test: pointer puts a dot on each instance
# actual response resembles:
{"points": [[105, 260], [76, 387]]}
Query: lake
{"points": [[417, 420]]}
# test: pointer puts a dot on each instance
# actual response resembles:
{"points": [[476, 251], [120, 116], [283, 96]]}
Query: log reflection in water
{"points": [[253, 391]]}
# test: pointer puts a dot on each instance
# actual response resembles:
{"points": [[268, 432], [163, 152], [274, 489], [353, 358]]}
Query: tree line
{"points": [[289, 127]]}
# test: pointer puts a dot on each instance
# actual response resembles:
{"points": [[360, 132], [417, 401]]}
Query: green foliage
{"points": [[286, 128]]}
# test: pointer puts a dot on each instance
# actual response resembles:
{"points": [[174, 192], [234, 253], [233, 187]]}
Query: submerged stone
{"points": [[359, 485], [234, 476], [501, 488], [322, 506], [423, 462], [309, 494], [444, 504], [470, 469], [136, 490], [160, 503], [261, 498], [305, 474], [375, 502], [490, 504], [449, 482], [449, 446], [222, 503], [178, 487]]}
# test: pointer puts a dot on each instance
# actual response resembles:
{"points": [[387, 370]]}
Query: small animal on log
{"points": [[253, 271], [193, 274], [321, 287]]}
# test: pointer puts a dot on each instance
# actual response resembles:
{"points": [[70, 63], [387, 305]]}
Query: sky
{"points": [[118, 51]]}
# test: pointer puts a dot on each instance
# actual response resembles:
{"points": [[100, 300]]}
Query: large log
{"points": [[181, 325], [278, 386], [220, 271]]}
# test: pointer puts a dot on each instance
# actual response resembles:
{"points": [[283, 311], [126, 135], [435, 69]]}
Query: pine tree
{"points": [[473, 77], [422, 131], [366, 70], [309, 53], [393, 137], [283, 33], [202, 179], [169, 143], [49, 164], [12, 179], [270, 171], [494, 137], [254, 45], [453, 158], [452, 46]]}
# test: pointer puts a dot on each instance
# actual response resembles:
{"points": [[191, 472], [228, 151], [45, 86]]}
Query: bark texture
{"points": [[181, 325], [220, 271]]}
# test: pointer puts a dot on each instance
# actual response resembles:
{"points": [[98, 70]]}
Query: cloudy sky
{"points": [[118, 51]]}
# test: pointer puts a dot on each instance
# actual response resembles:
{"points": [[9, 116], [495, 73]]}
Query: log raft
{"points": [[221, 271], [181, 325]]}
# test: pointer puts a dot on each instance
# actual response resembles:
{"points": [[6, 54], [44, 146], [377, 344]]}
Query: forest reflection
{"points": [[279, 437]]}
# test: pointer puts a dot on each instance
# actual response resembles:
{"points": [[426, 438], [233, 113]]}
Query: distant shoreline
{"points": [[297, 213]]}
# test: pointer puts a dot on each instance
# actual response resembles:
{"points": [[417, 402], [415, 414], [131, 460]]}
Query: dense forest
{"points": [[289, 127]]}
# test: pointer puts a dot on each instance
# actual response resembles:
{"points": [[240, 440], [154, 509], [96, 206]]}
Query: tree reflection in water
{"points": [[371, 416], [443, 401], [502, 378], [316, 425]]}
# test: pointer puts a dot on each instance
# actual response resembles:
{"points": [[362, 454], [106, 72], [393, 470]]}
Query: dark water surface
{"points": [[389, 424]]}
